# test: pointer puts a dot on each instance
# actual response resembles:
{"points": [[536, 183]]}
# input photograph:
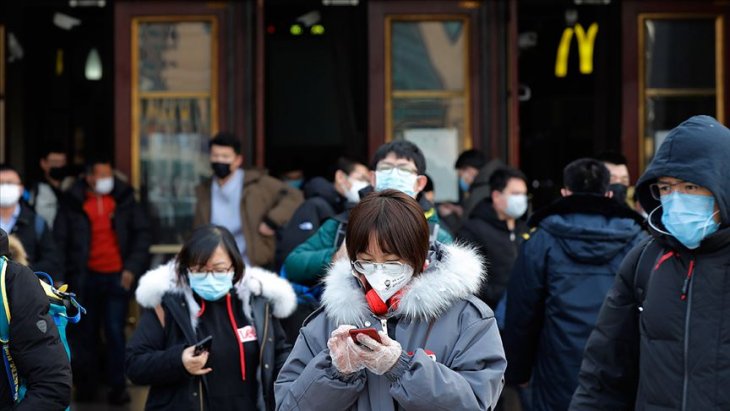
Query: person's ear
{"points": [[495, 194], [340, 177], [372, 178], [237, 162], [565, 192], [421, 182]]}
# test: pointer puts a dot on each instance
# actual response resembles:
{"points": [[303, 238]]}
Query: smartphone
{"points": [[203, 345], [370, 332]]}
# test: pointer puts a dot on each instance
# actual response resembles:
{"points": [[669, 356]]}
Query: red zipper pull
{"points": [[685, 286]]}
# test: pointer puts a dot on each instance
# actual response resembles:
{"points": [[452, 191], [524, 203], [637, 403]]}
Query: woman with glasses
{"points": [[435, 345], [207, 291]]}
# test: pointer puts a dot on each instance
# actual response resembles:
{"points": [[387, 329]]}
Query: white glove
{"points": [[344, 358], [376, 357]]}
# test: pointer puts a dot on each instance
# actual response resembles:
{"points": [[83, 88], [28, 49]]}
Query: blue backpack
{"points": [[59, 301]]}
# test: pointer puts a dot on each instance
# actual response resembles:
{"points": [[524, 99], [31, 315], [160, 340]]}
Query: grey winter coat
{"points": [[451, 345]]}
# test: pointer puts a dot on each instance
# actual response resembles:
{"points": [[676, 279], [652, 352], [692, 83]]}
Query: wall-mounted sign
{"points": [[586, 42]]}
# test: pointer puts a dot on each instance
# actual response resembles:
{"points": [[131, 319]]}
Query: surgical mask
{"points": [[396, 179], [211, 287], [516, 205], [353, 194], [463, 185], [688, 217], [104, 185], [57, 173], [619, 192], [9, 194], [221, 170], [295, 183], [386, 278]]}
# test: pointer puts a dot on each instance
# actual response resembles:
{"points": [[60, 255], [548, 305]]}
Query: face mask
{"points": [[385, 282], [688, 217], [463, 185], [211, 287], [396, 180], [619, 192], [516, 205], [295, 183], [353, 194], [57, 173], [104, 185], [9, 194], [221, 170]]}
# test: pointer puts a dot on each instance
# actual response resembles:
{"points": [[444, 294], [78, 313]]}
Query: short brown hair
{"points": [[397, 222]]}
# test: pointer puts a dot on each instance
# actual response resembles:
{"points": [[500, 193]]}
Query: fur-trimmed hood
{"points": [[256, 281], [454, 272]]}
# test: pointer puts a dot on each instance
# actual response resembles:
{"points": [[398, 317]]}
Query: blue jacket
{"points": [[558, 284]]}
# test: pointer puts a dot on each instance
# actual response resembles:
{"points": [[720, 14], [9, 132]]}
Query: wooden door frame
{"points": [[228, 82], [630, 121], [377, 11]]}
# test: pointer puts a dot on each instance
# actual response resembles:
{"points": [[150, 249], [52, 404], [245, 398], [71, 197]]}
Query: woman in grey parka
{"points": [[440, 347]]}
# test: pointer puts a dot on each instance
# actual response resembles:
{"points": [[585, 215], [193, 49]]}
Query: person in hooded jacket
{"points": [[439, 345], [662, 340], [560, 279], [324, 199], [204, 292]]}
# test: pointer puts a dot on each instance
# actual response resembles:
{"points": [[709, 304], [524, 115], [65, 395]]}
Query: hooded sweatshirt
{"points": [[671, 349]]}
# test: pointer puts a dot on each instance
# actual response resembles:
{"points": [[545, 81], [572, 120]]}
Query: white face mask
{"points": [[353, 194], [9, 194], [516, 205], [385, 283], [104, 185]]}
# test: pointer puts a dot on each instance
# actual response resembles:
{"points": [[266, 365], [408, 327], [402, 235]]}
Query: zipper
{"points": [[384, 324], [200, 392], [687, 317], [265, 336]]}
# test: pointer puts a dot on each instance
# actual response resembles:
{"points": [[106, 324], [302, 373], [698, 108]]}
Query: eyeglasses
{"points": [[658, 190], [218, 271], [401, 169], [369, 267]]}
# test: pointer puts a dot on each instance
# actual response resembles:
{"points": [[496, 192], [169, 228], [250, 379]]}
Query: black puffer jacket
{"points": [[671, 352], [35, 345], [322, 202], [497, 243], [38, 242]]}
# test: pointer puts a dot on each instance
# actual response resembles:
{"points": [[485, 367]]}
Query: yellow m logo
{"points": [[586, 42]]}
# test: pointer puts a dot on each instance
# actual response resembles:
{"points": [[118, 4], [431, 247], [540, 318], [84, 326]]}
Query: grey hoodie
{"points": [[458, 365]]}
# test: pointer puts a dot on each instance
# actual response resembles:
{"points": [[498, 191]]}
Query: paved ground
{"points": [[138, 394]]}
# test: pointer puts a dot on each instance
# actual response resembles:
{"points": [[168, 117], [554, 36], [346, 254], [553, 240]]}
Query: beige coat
{"points": [[265, 199]]}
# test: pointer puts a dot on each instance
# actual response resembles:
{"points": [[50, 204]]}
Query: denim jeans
{"points": [[106, 303]]}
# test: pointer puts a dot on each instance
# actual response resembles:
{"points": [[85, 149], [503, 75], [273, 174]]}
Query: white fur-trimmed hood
{"points": [[457, 274], [256, 281]]}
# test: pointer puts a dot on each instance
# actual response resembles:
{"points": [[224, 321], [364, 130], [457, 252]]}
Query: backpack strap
{"points": [[644, 269], [10, 370]]}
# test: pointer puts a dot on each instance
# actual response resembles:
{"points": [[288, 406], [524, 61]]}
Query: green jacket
{"points": [[308, 262]]}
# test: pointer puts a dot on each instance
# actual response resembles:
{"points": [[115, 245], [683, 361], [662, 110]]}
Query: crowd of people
{"points": [[358, 292]]}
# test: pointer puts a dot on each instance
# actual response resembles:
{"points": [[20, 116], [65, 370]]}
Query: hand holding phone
{"points": [[203, 345], [370, 332]]}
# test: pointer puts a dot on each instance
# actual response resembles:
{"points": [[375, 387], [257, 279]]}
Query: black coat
{"points": [[322, 202], [43, 254], [669, 352], [72, 230], [154, 353], [35, 345], [497, 243]]}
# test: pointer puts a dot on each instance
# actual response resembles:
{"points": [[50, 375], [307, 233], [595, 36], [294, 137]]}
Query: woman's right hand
{"points": [[344, 358], [194, 364]]}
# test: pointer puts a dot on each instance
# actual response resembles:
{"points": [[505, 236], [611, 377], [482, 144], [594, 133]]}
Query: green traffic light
{"points": [[295, 30]]}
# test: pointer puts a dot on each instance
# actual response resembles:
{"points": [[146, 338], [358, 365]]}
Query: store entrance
{"points": [[316, 84]]}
